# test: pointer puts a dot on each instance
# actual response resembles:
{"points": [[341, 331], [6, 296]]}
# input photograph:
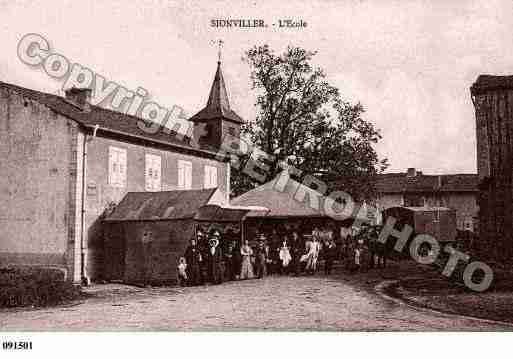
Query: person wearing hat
{"points": [[193, 260], [330, 253], [262, 254], [358, 255], [246, 252], [296, 251], [215, 258]]}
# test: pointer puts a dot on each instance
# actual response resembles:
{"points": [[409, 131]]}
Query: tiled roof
{"points": [[167, 205], [489, 82], [400, 182], [108, 120], [218, 104]]}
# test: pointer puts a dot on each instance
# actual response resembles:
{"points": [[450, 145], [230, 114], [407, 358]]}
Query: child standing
{"points": [[358, 255], [182, 272]]}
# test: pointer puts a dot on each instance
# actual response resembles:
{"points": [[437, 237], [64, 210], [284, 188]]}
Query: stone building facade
{"points": [[64, 162]]}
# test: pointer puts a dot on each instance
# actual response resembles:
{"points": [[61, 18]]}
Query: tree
{"points": [[303, 120]]}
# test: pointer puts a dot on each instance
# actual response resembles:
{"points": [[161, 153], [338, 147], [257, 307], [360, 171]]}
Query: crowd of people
{"points": [[211, 259]]}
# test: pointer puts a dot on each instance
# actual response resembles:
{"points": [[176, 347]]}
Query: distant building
{"points": [[415, 189], [492, 97], [439, 222], [64, 162]]}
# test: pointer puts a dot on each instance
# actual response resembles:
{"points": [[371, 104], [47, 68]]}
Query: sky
{"points": [[410, 63]]}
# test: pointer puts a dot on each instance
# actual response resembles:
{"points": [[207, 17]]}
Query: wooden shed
{"points": [[148, 231]]}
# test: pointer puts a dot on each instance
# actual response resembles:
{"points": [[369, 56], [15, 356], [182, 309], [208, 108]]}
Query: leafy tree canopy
{"points": [[303, 120]]}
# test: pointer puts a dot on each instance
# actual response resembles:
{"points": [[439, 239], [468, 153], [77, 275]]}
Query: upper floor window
{"points": [[231, 131], [184, 174], [210, 177], [153, 173], [117, 166]]}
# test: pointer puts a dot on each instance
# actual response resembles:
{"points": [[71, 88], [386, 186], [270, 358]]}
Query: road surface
{"points": [[274, 303]]}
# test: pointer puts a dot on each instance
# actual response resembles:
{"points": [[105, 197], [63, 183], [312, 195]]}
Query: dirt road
{"points": [[274, 303]]}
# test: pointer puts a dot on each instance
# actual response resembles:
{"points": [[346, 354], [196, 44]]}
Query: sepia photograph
{"points": [[301, 168]]}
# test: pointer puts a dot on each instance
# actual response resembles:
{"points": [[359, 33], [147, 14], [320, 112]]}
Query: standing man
{"points": [[330, 252], [215, 258], [261, 258], [274, 249], [229, 274], [193, 258], [296, 250]]}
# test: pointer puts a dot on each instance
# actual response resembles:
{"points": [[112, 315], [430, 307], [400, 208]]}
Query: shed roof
{"points": [[166, 205], [215, 213]]}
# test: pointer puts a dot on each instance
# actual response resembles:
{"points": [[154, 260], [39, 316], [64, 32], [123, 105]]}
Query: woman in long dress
{"points": [[247, 268], [312, 256], [285, 256]]}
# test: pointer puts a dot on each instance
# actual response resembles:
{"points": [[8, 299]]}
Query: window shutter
{"points": [[188, 178], [152, 172], [210, 180], [117, 167], [122, 168], [180, 175]]}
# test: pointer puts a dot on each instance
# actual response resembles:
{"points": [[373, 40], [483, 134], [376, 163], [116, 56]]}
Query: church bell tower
{"points": [[217, 119]]}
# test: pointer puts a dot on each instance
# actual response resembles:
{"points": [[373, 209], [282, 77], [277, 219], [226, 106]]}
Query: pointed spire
{"points": [[218, 105], [218, 98]]}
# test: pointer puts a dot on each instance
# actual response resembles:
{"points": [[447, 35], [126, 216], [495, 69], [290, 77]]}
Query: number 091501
{"points": [[11, 345]]}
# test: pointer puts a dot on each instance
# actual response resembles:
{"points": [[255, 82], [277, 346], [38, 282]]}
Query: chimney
{"points": [[81, 97], [411, 172]]}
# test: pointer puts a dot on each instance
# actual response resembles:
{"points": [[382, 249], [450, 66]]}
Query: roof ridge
{"points": [[114, 122], [176, 190]]}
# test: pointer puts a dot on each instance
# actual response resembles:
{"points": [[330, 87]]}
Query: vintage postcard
{"points": [[249, 166]]}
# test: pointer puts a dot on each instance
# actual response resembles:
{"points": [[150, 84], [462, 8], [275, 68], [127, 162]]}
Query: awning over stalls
{"points": [[278, 197], [285, 198], [166, 205]]}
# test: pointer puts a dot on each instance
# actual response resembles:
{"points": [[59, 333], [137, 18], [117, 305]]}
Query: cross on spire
{"points": [[220, 44], [218, 105]]}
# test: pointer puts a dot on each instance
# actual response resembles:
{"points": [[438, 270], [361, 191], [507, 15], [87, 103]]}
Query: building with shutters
{"points": [[65, 163]]}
